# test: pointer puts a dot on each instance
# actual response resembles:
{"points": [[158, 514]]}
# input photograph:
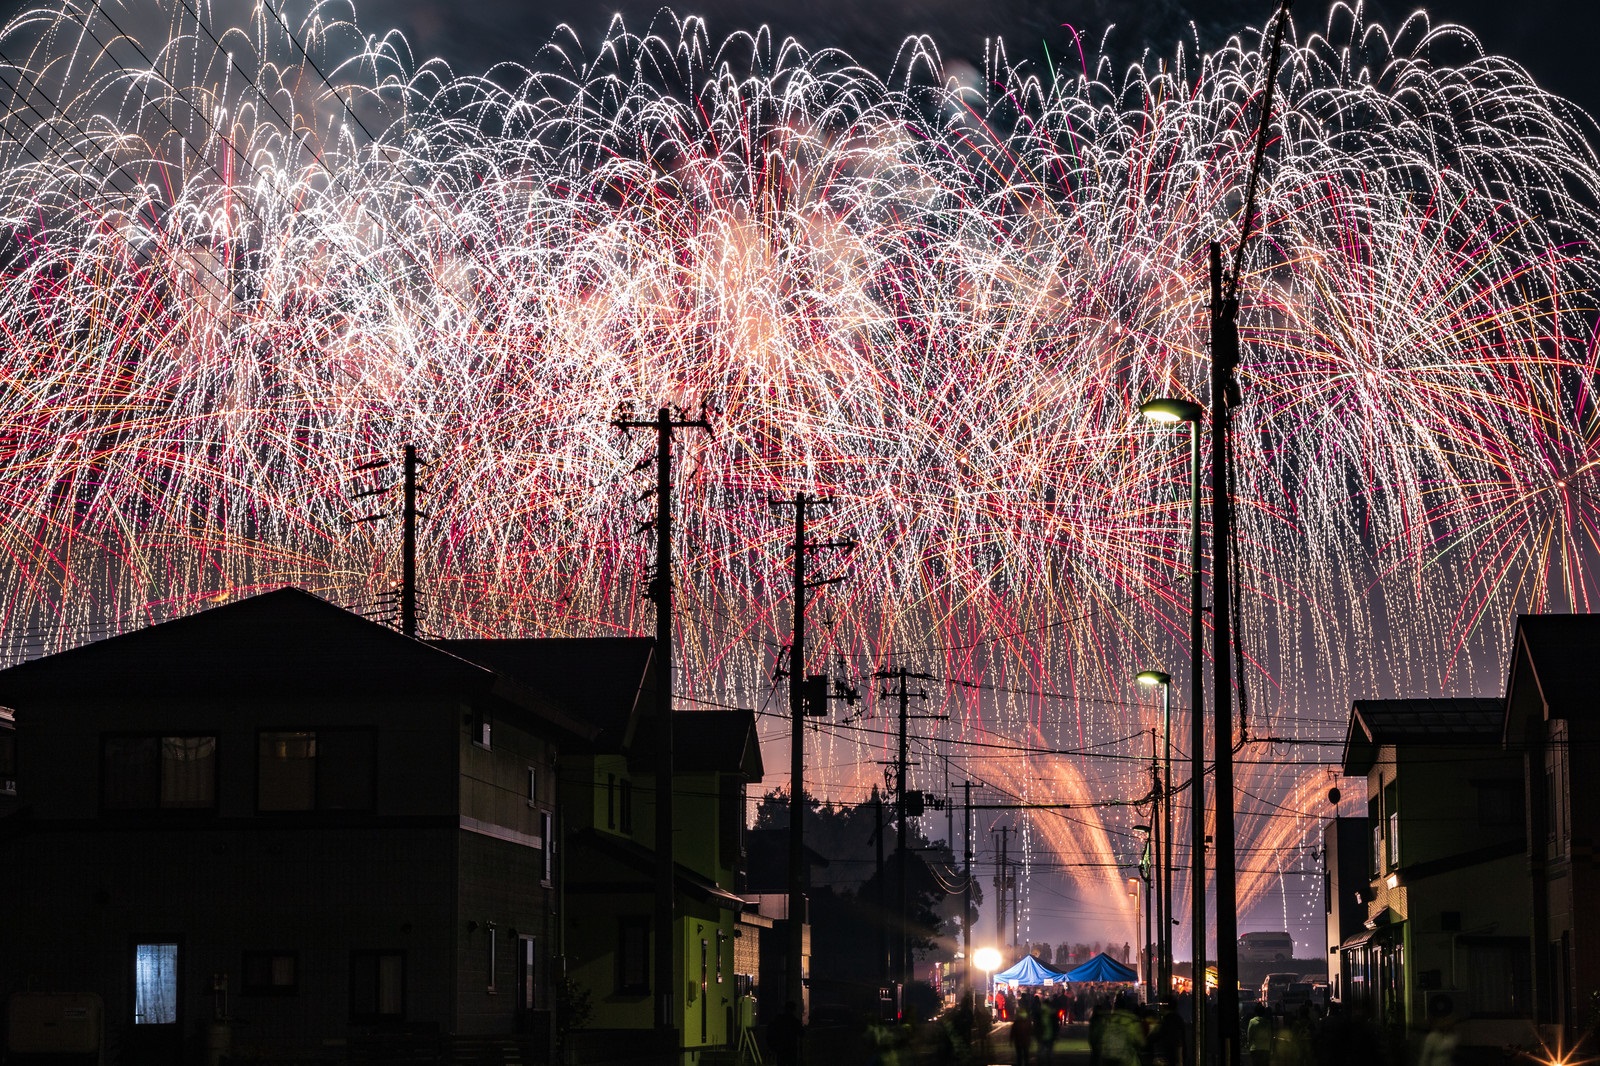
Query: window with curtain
{"points": [[377, 985], [155, 984], [144, 773], [323, 770]]}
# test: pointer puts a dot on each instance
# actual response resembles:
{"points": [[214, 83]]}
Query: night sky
{"points": [[1554, 39]]}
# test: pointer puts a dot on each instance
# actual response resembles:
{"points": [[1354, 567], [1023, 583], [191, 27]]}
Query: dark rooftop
{"points": [[1418, 721]]}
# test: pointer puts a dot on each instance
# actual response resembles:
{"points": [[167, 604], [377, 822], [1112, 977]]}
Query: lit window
{"points": [[155, 984]]}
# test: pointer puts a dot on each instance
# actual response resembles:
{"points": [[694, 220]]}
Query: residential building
{"points": [[608, 803], [278, 826], [1346, 886], [1446, 857], [1550, 721]]}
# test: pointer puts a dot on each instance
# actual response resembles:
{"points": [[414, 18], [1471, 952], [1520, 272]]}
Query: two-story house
{"points": [[608, 855], [1550, 724], [278, 826], [1444, 813]]}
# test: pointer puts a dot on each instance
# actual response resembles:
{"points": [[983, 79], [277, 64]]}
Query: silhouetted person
{"points": [[784, 1035]]}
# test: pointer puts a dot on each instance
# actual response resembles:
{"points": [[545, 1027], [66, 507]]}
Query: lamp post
{"points": [[987, 960], [1164, 919], [1168, 410]]}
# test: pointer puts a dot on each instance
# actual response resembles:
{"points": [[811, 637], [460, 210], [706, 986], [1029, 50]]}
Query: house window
{"points": [[329, 770], [270, 973], [527, 987], [533, 786], [1497, 976], [1375, 820], [482, 729], [155, 984], [159, 773], [611, 801], [547, 839], [1391, 807], [377, 986], [633, 956], [626, 790]]}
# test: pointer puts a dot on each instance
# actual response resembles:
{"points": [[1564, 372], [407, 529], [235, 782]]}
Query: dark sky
{"points": [[1555, 39]]}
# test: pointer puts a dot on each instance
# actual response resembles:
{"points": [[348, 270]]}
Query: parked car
{"points": [[1266, 947]]}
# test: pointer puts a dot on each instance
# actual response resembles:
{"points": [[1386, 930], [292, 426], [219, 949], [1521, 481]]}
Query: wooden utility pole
{"points": [[808, 697], [661, 592]]}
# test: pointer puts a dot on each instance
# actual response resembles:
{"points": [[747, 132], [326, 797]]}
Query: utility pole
{"points": [[1000, 880], [1225, 358], [883, 895], [661, 593], [408, 532], [966, 893], [808, 697], [902, 675]]}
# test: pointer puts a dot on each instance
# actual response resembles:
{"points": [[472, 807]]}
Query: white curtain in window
{"points": [[155, 984]]}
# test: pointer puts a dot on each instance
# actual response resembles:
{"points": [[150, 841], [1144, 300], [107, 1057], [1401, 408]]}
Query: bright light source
{"points": [[1153, 677], [987, 959], [1168, 409]]}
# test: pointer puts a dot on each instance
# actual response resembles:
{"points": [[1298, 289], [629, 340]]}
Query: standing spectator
{"points": [[784, 1035], [1022, 1037], [1258, 1037], [1171, 1039]]}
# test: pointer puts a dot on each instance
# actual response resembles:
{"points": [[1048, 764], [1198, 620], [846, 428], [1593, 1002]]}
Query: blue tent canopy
{"points": [[1030, 971], [1104, 969]]}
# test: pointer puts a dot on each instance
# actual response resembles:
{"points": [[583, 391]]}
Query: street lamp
{"points": [[987, 960], [1168, 410], [1164, 919]]}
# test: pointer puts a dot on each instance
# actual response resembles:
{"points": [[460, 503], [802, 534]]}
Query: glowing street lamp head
{"points": [[1153, 677], [1169, 409], [987, 959]]}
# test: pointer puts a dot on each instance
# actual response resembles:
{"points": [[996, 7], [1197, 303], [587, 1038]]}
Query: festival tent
{"points": [[1104, 970], [1029, 971]]}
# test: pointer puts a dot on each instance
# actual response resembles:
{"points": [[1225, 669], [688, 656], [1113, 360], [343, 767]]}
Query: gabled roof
{"points": [[642, 861], [1418, 721], [1551, 654], [605, 682], [284, 642], [723, 741]]}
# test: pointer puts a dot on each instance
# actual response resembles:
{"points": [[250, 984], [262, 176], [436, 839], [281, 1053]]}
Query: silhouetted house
{"points": [[280, 813], [1446, 928], [609, 860], [1551, 723], [1346, 886], [767, 888]]}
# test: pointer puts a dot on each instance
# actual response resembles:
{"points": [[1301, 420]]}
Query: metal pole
{"points": [[1197, 758], [1166, 841]]}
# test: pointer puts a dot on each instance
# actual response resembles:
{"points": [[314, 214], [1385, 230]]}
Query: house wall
{"points": [[507, 890], [315, 885]]}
